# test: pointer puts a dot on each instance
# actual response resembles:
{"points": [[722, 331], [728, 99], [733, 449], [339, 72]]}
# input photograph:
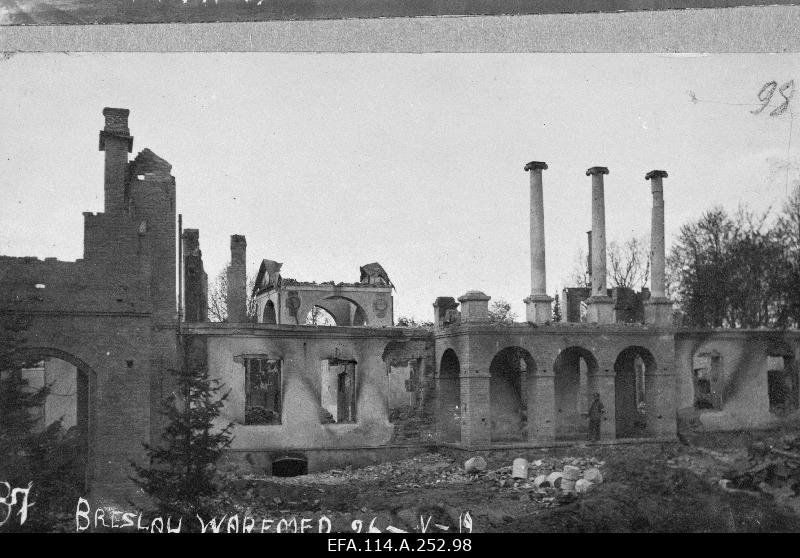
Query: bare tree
{"points": [[580, 276], [629, 263], [218, 297], [320, 316]]}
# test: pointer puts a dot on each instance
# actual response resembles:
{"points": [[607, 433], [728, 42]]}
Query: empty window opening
{"points": [[318, 316], [269, 313], [262, 391], [782, 385], [338, 396], [290, 466], [706, 375]]}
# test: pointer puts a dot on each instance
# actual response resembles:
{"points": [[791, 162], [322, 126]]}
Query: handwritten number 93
{"points": [[768, 91]]}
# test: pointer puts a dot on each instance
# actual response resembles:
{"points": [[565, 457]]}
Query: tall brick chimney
{"points": [[237, 280], [116, 141]]}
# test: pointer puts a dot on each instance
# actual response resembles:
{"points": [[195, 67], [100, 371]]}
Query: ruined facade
{"points": [[305, 396]]}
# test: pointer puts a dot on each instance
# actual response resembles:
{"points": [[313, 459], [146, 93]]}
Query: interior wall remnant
{"points": [[508, 389], [338, 391], [574, 371], [630, 369], [263, 393], [404, 399], [62, 401]]}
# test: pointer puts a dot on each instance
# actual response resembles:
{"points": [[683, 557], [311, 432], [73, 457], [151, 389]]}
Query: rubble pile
{"points": [[549, 480], [422, 471], [771, 468]]}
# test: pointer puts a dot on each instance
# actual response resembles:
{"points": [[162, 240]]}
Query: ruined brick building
{"points": [[306, 397]]}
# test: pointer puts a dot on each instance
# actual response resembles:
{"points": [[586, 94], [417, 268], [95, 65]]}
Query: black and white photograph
{"points": [[413, 296]]}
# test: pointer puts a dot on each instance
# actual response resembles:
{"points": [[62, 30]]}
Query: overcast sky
{"points": [[330, 161]]}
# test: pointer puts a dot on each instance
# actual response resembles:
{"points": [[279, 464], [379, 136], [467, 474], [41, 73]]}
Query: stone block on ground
{"points": [[519, 469], [593, 475], [475, 465], [571, 473], [555, 479]]}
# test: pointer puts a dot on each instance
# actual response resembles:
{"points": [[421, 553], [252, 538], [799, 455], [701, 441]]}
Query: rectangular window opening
{"points": [[338, 393], [263, 391]]}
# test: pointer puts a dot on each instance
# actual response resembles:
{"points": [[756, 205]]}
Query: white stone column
{"points": [[538, 305], [600, 306], [658, 310]]}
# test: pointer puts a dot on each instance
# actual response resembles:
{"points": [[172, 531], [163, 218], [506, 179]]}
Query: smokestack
{"points": [[658, 309], [600, 306], [537, 305], [116, 141], [237, 280]]}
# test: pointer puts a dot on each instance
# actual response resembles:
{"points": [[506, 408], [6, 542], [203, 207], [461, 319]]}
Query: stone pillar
{"points": [[541, 407], [116, 141], [658, 309], [604, 384], [476, 426], [538, 305], [474, 306], [600, 307], [660, 402], [237, 280]]}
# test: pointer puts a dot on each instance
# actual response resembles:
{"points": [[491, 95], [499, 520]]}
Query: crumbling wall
{"points": [[112, 313], [740, 380], [302, 351]]}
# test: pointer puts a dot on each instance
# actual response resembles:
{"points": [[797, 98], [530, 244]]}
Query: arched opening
{"points": [[318, 316], [290, 465], [631, 369], [449, 406], [269, 313], [66, 414], [343, 311], [574, 370], [508, 394]]}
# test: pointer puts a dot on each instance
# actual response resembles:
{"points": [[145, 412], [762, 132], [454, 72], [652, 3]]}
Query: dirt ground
{"points": [[646, 488]]}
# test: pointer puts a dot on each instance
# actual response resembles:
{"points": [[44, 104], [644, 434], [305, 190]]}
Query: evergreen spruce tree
{"points": [[557, 317], [28, 453], [181, 476]]}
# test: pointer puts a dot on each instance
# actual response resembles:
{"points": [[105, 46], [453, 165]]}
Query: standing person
{"points": [[595, 415]]}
